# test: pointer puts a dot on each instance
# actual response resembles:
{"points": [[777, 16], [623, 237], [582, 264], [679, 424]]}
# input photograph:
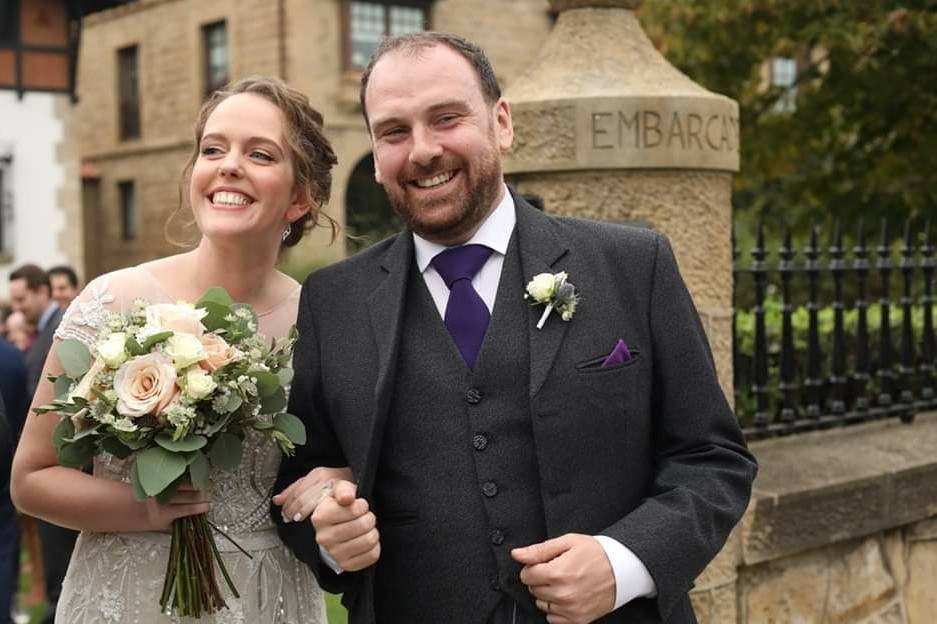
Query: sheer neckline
{"points": [[276, 306]]}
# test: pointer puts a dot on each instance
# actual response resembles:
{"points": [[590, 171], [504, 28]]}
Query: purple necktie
{"points": [[466, 314]]}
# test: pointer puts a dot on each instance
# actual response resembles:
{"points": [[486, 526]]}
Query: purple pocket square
{"points": [[619, 355]]}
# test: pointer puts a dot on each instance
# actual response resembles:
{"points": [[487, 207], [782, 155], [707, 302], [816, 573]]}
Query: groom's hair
{"points": [[415, 43]]}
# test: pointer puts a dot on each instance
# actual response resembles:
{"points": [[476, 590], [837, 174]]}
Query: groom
{"points": [[505, 473]]}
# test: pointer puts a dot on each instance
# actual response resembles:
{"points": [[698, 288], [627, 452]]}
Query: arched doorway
{"points": [[369, 217]]}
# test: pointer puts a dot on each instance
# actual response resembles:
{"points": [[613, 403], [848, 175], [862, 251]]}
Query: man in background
{"points": [[64, 283], [31, 294], [13, 406]]}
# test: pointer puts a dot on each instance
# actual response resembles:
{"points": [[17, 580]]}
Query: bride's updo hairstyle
{"points": [[310, 151]]}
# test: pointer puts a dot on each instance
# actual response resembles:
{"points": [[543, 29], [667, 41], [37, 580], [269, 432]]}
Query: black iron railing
{"points": [[812, 351]]}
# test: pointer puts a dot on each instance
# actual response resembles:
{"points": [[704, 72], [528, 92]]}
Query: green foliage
{"points": [[863, 138], [74, 357]]}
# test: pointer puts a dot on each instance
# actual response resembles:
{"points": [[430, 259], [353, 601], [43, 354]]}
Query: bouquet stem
{"points": [[191, 585]]}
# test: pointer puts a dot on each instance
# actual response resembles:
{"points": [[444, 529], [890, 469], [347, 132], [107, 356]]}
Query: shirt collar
{"points": [[47, 315], [494, 232]]}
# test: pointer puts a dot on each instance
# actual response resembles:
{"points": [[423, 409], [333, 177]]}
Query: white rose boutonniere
{"points": [[553, 291]]}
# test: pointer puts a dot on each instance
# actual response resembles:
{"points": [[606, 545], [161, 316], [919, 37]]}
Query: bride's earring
{"points": [[287, 231]]}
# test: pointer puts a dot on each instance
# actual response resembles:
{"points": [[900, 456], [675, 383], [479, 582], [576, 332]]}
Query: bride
{"points": [[256, 181]]}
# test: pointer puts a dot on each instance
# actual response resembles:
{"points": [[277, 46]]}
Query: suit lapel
{"points": [[541, 252], [386, 306]]}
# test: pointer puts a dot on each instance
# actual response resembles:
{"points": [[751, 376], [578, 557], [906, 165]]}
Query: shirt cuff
{"points": [[632, 580], [327, 559]]}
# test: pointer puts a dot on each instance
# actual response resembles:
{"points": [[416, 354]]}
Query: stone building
{"points": [[145, 68]]}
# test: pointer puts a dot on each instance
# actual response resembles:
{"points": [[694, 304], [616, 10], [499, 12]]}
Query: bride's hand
{"points": [[187, 501], [299, 500]]}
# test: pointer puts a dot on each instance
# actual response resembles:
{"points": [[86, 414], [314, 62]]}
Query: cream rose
{"points": [[145, 385], [541, 287], [181, 318], [83, 389], [198, 383], [185, 350], [112, 350], [219, 352]]}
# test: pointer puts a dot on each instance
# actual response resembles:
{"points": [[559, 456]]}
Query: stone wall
{"points": [[308, 55], [842, 528]]}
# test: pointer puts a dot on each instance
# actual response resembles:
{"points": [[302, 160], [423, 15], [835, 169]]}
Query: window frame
{"points": [[129, 227], [206, 29], [425, 5], [126, 132]]}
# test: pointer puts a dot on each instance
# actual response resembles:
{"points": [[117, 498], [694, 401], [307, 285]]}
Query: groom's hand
{"points": [[347, 529], [570, 577]]}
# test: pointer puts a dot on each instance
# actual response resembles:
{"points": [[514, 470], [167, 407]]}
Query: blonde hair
{"points": [[310, 150]]}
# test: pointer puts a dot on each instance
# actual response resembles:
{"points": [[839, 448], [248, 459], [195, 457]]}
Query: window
{"points": [[128, 210], [369, 22], [215, 49], [9, 20], [128, 91], [784, 75]]}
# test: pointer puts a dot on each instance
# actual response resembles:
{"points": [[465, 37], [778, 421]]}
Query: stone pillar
{"points": [[607, 129]]}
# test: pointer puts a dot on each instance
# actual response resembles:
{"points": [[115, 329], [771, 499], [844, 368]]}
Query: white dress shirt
{"points": [[632, 579]]}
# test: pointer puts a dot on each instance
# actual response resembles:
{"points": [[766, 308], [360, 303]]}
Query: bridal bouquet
{"points": [[176, 388]]}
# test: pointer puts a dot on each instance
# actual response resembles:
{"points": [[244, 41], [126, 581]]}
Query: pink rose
{"points": [[219, 352], [145, 385]]}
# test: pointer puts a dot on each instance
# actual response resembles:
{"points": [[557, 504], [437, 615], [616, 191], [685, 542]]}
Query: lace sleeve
{"points": [[87, 313]]}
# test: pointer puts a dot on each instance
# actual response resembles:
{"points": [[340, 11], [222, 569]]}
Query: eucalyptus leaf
{"points": [[234, 402], [116, 448], [217, 295], [217, 315], [285, 375], [74, 357], [158, 468], [274, 403], [64, 430], [292, 427], [218, 425], [76, 454], [262, 425], [61, 386], [167, 494], [191, 442], [138, 492], [226, 451], [198, 471], [267, 382]]}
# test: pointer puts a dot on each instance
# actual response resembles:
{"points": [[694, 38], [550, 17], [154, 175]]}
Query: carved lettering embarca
{"points": [[649, 129]]}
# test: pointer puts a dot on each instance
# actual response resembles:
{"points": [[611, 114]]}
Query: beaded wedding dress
{"points": [[118, 577]]}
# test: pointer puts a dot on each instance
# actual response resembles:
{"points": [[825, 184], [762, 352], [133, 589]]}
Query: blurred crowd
{"points": [[38, 300]]}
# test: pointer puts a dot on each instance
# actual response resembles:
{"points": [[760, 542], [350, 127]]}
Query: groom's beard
{"points": [[469, 203]]}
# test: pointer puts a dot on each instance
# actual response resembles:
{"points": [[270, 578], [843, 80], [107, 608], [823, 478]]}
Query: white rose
{"points": [[112, 350], [181, 318], [198, 383], [145, 385], [185, 350], [541, 287]]}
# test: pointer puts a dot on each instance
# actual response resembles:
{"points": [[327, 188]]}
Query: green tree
{"points": [[863, 138]]}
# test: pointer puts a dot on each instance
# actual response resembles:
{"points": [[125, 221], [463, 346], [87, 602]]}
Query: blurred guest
{"points": [[64, 283], [5, 312], [31, 294], [13, 406], [20, 332]]}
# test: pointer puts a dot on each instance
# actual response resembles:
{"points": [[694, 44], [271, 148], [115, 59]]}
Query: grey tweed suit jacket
{"points": [[648, 453]]}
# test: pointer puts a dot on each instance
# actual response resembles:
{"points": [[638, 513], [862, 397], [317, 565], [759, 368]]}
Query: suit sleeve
{"points": [[703, 470], [321, 448]]}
